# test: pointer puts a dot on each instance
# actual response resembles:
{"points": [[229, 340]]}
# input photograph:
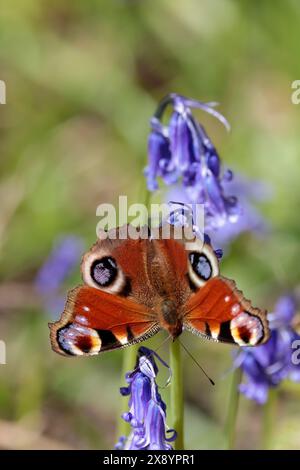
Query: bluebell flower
{"points": [[182, 214], [266, 366], [147, 411], [248, 192], [60, 263], [181, 152]]}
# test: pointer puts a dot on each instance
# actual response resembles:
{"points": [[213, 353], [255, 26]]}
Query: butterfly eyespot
{"points": [[78, 340], [203, 265], [104, 271]]}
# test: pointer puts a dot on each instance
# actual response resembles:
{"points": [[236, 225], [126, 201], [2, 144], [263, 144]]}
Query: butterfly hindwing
{"points": [[95, 321], [219, 311]]}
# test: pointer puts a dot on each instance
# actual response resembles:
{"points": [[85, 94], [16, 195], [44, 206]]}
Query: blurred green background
{"points": [[83, 79]]}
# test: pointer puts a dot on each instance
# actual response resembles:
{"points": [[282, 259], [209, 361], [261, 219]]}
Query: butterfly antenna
{"points": [[168, 381], [196, 362], [163, 342]]}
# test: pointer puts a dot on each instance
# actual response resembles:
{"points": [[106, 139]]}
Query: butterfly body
{"points": [[135, 287], [169, 318]]}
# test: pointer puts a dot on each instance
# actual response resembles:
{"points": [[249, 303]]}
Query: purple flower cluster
{"points": [[54, 271], [147, 411], [182, 152], [249, 219], [248, 192], [266, 366]]}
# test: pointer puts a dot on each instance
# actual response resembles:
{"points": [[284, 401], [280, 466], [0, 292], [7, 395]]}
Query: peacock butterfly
{"points": [[135, 287]]}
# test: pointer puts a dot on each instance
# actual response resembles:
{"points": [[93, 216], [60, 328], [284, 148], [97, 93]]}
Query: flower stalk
{"points": [[176, 394], [232, 411], [269, 418]]}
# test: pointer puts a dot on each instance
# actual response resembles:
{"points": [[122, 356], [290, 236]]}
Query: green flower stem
{"points": [[176, 394], [232, 412], [269, 419], [129, 359]]}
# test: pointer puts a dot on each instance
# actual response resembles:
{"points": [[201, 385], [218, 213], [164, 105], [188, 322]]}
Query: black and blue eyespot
{"points": [[201, 265], [104, 271]]}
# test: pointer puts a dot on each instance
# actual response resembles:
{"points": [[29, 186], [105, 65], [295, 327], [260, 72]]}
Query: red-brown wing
{"points": [[219, 311], [132, 259], [95, 321], [171, 277]]}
